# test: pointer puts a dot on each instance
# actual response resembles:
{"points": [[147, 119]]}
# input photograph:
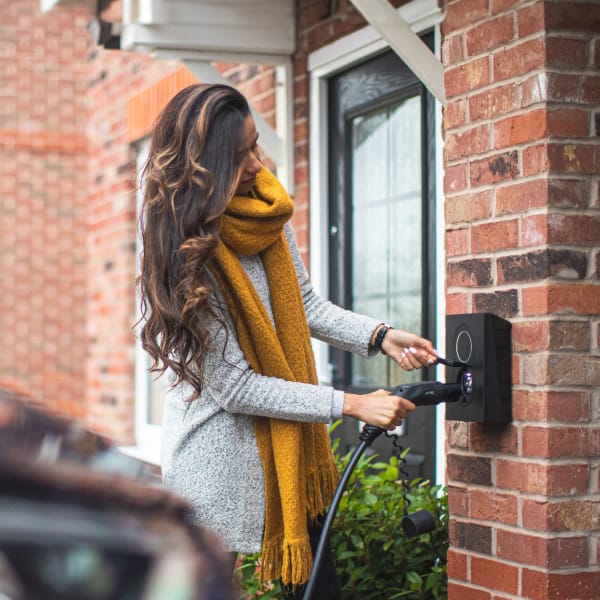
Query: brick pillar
{"points": [[522, 159]]}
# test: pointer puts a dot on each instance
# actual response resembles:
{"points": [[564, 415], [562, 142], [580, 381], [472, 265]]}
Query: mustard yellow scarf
{"points": [[299, 471]]}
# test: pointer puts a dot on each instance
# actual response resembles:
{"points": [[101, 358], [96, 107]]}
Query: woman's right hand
{"points": [[379, 408]]}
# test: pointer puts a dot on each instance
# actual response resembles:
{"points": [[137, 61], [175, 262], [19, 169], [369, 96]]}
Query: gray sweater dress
{"points": [[209, 450]]}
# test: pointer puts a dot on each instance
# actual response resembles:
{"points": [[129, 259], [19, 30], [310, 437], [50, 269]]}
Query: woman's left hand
{"points": [[410, 351]]}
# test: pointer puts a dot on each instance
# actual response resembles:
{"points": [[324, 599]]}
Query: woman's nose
{"points": [[254, 165]]}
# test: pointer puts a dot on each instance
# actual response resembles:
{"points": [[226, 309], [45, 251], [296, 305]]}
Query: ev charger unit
{"points": [[483, 343]]}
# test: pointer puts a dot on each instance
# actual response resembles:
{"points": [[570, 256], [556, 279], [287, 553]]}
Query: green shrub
{"points": [[374, 557]]}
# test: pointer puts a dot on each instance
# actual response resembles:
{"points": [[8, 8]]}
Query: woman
{"points": [[229, 312]]}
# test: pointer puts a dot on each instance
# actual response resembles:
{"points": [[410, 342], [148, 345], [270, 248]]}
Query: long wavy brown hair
{"points": [[188, 180]]}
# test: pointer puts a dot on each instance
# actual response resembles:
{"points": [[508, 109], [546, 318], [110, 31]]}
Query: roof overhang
{"points": [[221, 30]]}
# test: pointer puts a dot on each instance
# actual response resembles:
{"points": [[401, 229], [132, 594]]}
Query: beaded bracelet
{"points": [[380, 336]]}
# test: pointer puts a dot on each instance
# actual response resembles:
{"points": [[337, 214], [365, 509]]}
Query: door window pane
{"points": [[387, 225]]}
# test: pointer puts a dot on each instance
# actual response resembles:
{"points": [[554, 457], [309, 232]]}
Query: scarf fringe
{"points": [[291, 562]]}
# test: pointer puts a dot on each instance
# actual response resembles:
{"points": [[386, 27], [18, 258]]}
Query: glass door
{"points": [[381, 228]]}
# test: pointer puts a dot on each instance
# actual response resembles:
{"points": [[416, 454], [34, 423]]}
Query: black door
{"points": [[381, 224]]}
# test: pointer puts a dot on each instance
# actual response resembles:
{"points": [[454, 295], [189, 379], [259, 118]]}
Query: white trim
{"points": [[318, 210], [322, 64], [284, 120], [440, 281], [341, 54], [147, 436]]}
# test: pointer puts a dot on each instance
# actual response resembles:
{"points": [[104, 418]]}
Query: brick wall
{"points": [[43, 189], [522, 159]]}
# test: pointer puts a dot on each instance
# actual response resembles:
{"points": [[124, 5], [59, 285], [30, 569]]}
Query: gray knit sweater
{"points": [[209, 451]]}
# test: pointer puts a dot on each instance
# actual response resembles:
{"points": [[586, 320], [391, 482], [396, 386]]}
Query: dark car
{"points": [[81, 521]]}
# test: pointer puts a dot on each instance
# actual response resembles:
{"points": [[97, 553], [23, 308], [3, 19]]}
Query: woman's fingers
{"points": [[379, 408], [410, 351]]}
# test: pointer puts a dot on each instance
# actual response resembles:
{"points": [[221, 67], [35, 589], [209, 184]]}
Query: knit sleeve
{"points": [[328, 322], [235, 387]]}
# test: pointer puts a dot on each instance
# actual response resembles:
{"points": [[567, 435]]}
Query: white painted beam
{"points": [[381, 15]]}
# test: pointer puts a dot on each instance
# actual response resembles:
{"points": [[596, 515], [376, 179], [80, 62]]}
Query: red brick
{"points": [[490, 103], [312, 15], [469, 469], [467, 208], [572, 16], [574, 158], [521, 197], [535, 160], [565, 407], [561, 515], [567, 193], [568, 122], [452, 50], [471, 536], [561, 369], [456, 303], [469, 273], [530, 20], [564, 87], [500, 6], [495, 575], [454, 114], [540, 585], [536, 478], [526, 549], [581, 299], [503, 303], [457, 564], [573, 229], [568, 552], [493, 437], [455, 178], [458, 501], [490, 237], [553, 442], [457, 241], [496, 507], [534, 584], [530, 336], [467, 77], [518, 129], [467, 142], [519, 59], [494, 169], [566, 53], [590, 90], [461, 592], [489, 35], [462, 14]]}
